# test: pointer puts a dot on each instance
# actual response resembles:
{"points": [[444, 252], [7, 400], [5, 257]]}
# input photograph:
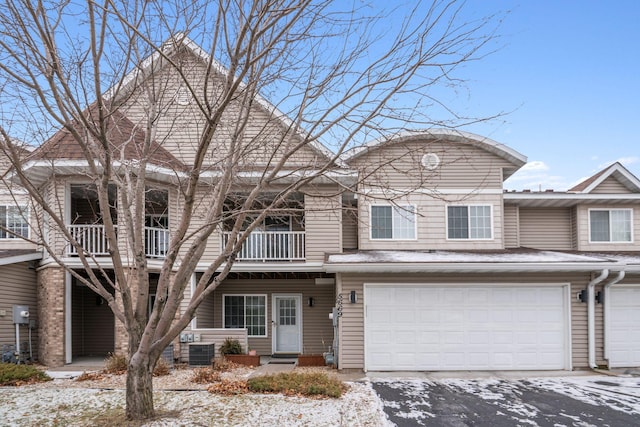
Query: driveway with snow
{"points": [[561, 401]]}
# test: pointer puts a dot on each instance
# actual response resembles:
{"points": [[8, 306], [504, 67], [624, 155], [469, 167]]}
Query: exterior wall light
{"points": [[353, 297]]}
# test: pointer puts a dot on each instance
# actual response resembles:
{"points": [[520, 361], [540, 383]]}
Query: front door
{"points": [[287, 323]]}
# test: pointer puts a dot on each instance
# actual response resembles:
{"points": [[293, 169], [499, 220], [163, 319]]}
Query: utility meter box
{"points": [[21, 314]]}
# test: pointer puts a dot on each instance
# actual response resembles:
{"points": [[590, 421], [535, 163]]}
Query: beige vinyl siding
{"points": [[323, 226], [349, 229], [546, 228], [431, 222], [351, 327], [55, 193], [583, 230], [18, 287], [179, 126], [510, 226], [398, 166], [205, 314], [317, 329], [610, 186], [198, 220], [574, 228]]}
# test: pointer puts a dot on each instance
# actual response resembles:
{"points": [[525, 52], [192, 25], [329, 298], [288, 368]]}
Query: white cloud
{"points": [[626, 161], [534, 176], [629, 160], [535, 165]]}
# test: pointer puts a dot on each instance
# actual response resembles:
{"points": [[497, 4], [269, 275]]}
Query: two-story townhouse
{"points": [[276, 299], [453, 273], [425, 261]]}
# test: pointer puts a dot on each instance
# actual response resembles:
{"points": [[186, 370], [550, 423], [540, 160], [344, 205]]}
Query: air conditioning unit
{"points": [[167, 355], [201, 353]]}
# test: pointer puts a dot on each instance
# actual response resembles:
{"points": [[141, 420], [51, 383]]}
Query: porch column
{"points": [[51, 316]]}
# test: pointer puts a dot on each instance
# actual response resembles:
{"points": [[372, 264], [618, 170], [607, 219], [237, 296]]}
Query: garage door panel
{"points": [[623, 328], [477, 315], [462, 328]]}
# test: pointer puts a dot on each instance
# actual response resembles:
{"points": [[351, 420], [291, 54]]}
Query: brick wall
{"points": [[51, 309]]}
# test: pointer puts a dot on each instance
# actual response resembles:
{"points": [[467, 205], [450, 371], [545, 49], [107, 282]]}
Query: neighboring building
{"points": [[430, 263], [18, 259], [457, 274]]}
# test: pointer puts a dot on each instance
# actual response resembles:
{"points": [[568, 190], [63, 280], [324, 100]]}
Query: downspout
{"points": [[605, 313], [591, 317]]}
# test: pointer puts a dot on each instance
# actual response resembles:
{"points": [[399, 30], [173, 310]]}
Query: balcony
{"points": [[93, 240], [264, 246]]}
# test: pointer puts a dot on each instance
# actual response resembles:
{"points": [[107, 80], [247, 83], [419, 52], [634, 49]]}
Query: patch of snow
{"points": [[620, 393], [460, 257]]}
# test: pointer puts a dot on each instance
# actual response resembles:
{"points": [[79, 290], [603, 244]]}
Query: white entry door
{"points": [[287, 323]]}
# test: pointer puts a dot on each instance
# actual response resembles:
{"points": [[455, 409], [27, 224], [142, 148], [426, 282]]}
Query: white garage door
{"points": [[424, 328], [623, 324]]}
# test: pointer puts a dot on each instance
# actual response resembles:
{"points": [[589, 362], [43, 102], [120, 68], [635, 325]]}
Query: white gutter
{"points": [[605, 292], [591, 317]]}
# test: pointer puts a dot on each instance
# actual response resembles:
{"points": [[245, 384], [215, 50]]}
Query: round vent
{"points": [[430, 161]]}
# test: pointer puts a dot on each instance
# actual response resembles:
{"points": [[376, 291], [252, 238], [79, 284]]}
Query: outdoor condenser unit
{"points": [[201, 354]]}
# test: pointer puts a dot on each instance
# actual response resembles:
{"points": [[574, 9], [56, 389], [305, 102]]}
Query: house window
{"points": [[14, 223], [246, 311], [610, 225], [469, 222], [393, 222]]}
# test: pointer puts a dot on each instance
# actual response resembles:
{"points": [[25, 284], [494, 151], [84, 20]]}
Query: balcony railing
{"points": [[156, 242], [271, 246], [93, 240], [91, 237]]}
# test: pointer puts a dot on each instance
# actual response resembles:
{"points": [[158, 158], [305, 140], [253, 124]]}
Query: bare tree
{"points": [[153, 96]]}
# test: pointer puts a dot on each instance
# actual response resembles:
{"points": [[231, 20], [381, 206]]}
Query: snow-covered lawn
{"points": [[34, 406]]}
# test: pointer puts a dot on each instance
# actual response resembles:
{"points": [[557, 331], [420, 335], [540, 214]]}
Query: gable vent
{"points": [[430, 161]]}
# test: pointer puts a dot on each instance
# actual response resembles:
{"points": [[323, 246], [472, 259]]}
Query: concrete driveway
{"points": [[557, 401]]}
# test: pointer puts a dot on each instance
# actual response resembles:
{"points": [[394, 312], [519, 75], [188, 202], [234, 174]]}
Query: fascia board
{"points": [[247, 267], [568, 196], [467, 267], [20, 258], [495, 147]]}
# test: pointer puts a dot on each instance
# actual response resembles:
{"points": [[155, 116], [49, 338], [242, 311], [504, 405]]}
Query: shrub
{"points": [[231, 346], [116, 364], [15, 375], [294, 383], [205, 376]]}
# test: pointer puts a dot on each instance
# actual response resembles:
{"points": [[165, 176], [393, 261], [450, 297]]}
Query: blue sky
{"points": [[569, 73]]}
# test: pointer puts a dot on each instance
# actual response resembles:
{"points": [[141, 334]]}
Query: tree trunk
{"points": [[140, 388]]}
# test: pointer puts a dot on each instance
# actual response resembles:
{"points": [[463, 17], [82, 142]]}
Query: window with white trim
{"points": [[14, 222], [469, 222], [246, 311], [610, 225], [393, 222]]}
